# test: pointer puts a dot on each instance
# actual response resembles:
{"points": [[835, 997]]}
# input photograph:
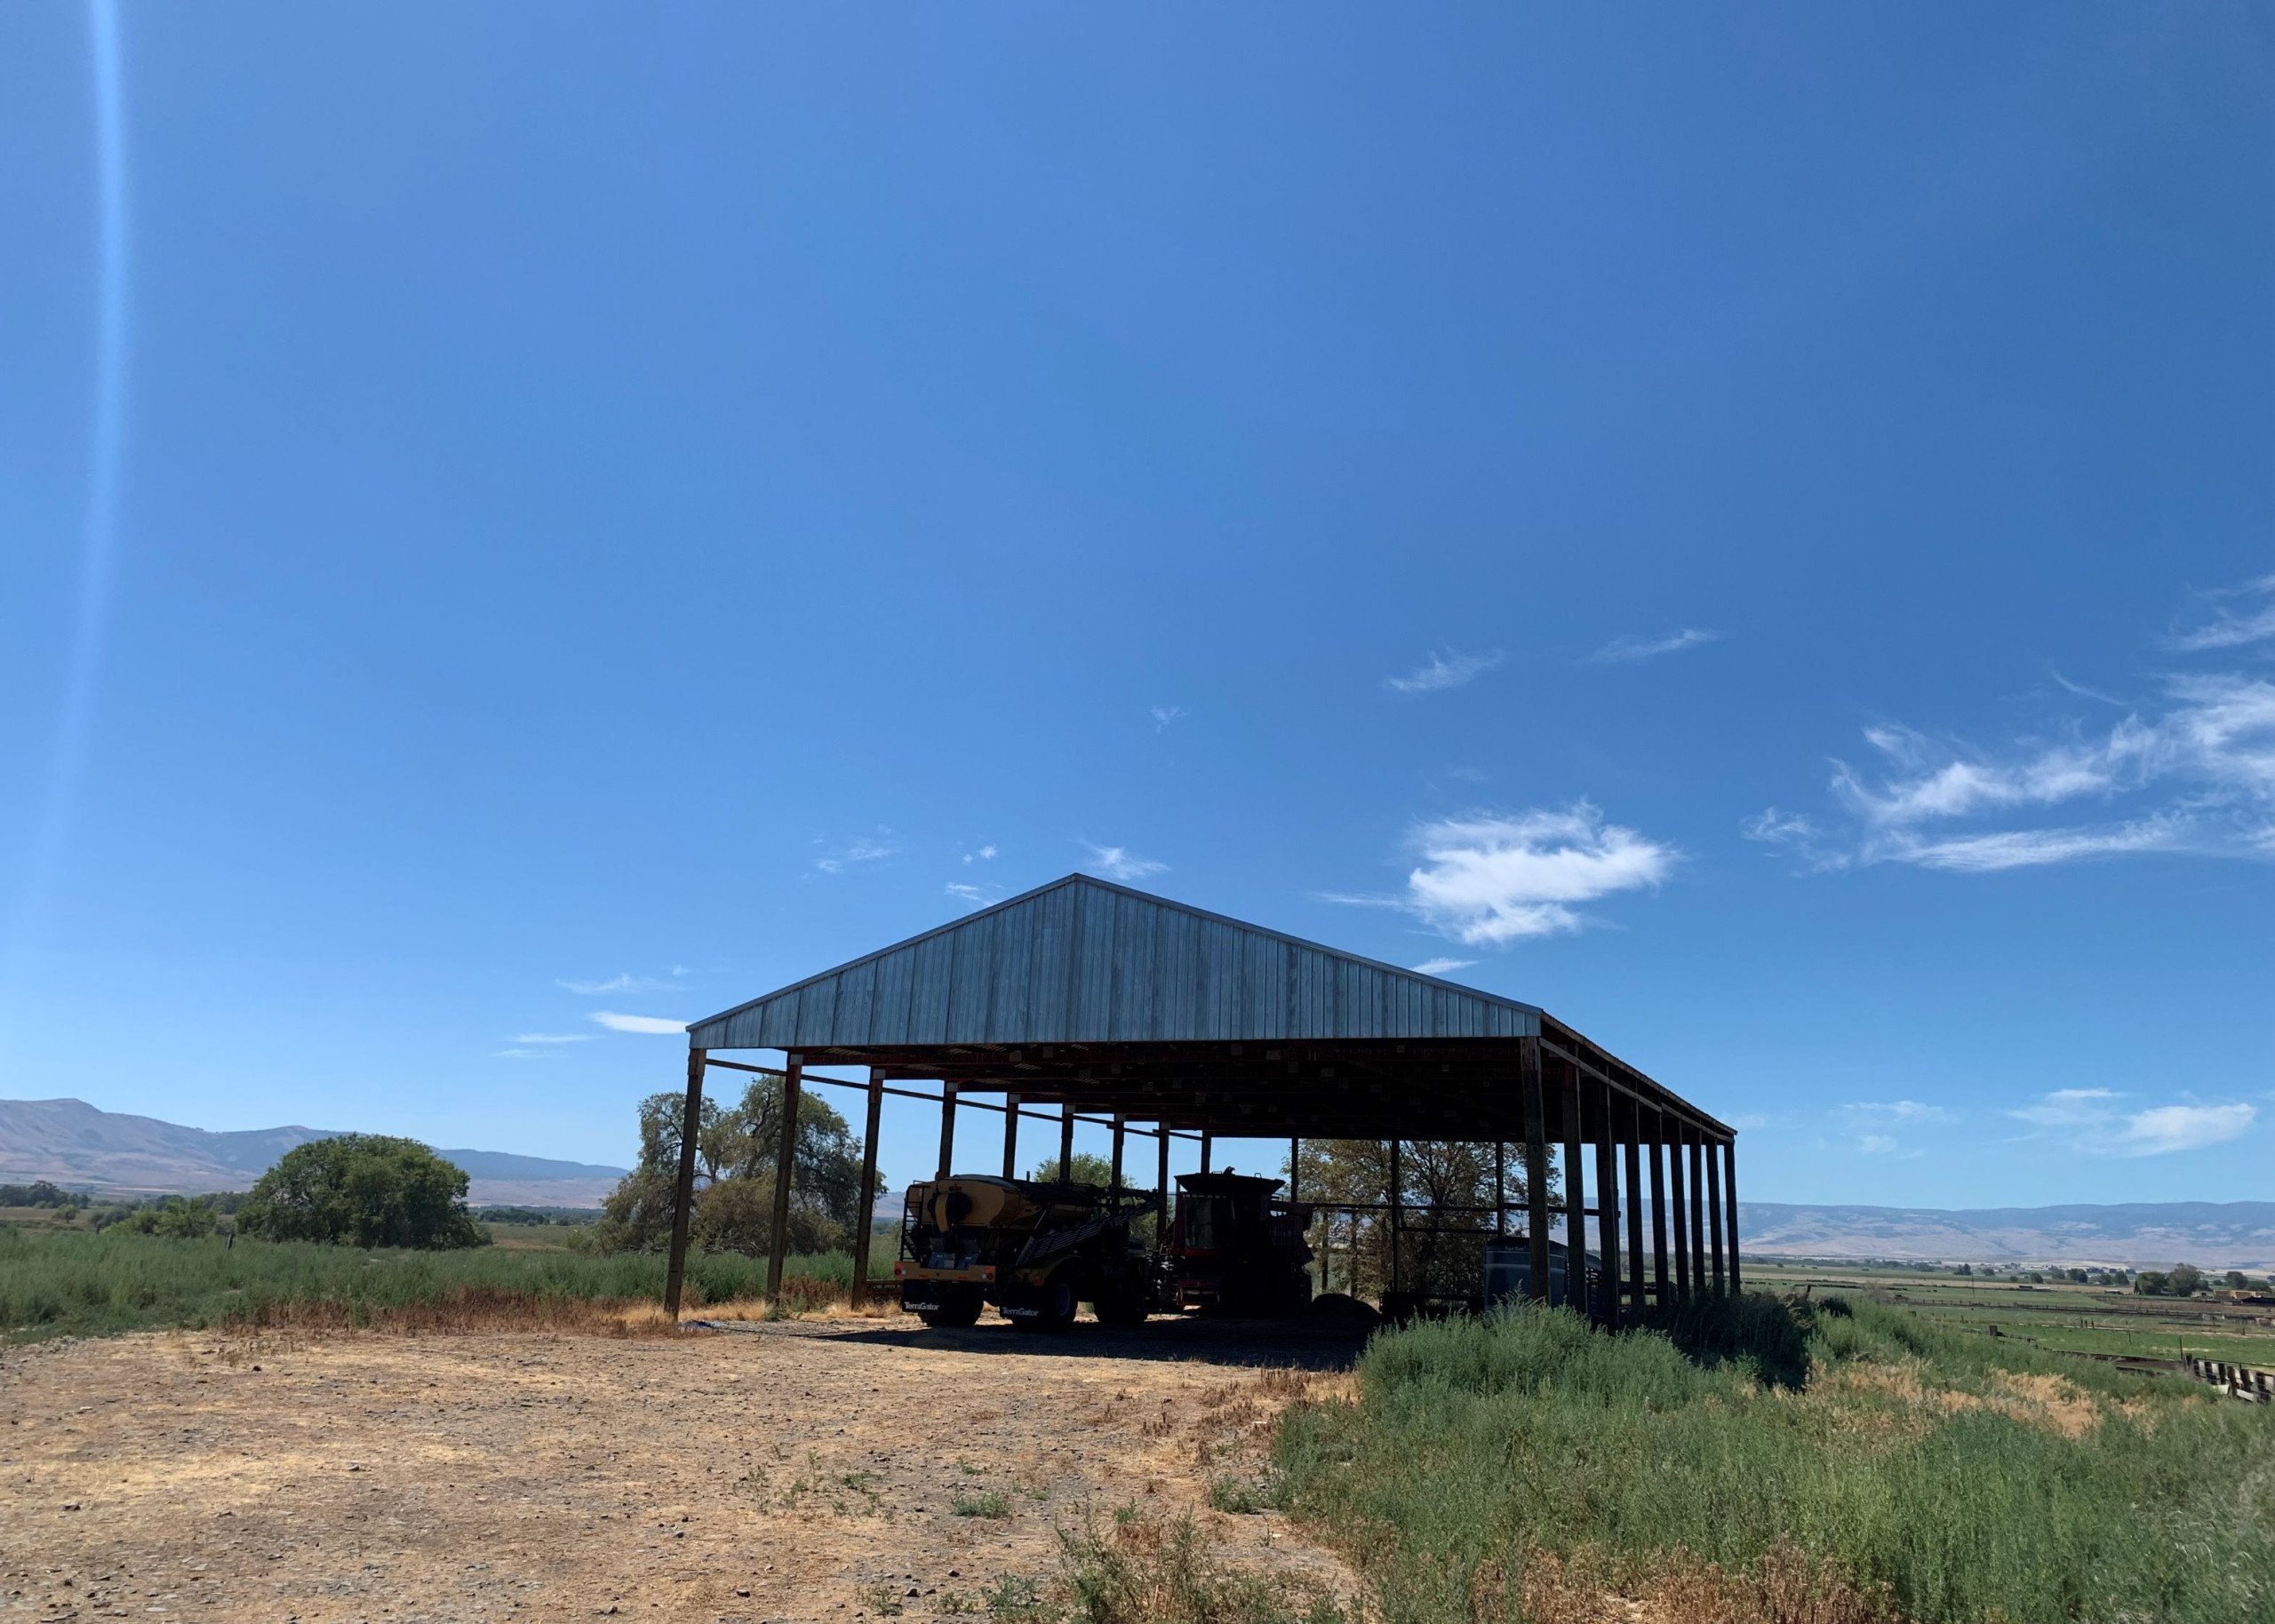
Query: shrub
{"points": [[364, 1188]]}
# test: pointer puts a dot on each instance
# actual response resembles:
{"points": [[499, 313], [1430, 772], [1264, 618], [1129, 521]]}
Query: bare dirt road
{"points": [[824, 1469]]}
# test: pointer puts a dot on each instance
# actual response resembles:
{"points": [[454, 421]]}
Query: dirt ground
{"points": [[825, 1469]]}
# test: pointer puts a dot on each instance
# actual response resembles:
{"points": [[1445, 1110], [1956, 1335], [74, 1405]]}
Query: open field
{"points": [[83, 1283], [2070, 1317]]}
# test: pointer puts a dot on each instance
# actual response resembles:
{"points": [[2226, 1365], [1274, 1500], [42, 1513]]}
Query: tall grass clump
{"points": [[1936, 1476], [92, 1285]]}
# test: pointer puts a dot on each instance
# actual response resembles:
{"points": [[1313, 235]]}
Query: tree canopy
{"points": [[736, 1150], [366, 1189]]}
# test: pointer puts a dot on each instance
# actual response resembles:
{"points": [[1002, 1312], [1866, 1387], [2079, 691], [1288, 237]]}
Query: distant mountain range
{"points": [[74, 1144], [2209, 1234]]}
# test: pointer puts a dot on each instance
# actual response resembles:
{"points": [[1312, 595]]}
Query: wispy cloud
{"points": [[1120, 863], [649, 1026], [553, 1038], [1486, 879], [1901, 1110], [1449, 669], [2192, 771], [1621, 649], [984, 854], [622, 982], [2095, 1125], [978, 897], [1165, 714], [1442, 967], [835, 859], [2226, 627], [521, 1054]]}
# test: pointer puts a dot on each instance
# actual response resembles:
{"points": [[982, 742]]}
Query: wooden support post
{"points": [[786, 1166], [1529, 1085], [1680, 1213], [1066, 1141], [1714, 1214], [1698, 1214], [1295, 1170], [1607, 1209], [691, 1127], [1162, 1189], [1659, 1206], [1208, 1150], [1500, 1187], [868, 1217], [1397, 1208], [1113, 1179], [1730, 1207], [1576, 1195], [1636, 1301], [947, 1129], [1010, 1135]]}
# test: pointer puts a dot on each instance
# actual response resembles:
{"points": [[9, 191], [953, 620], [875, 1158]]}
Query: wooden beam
{"points": [[1681, 1215], [947, 1129], [1607, 1207], [1576, 1195], [1714, 1213], [1633, 1153], [1730, 1205], [690, 1126], [1065, 1142], [786, 1166], [867, 1221], [1010, 1135], [1659, 1221], [1698, 1214], [1113, 1179], [1529, 1085]]}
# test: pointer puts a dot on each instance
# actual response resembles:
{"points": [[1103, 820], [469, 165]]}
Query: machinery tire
{"points": [[1058, 1308], [957, 1312]]}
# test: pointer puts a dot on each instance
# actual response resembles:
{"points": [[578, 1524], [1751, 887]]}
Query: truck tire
{"points": [[956, 1310], [1056, 1309]]}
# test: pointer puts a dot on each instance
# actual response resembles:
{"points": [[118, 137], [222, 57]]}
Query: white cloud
{"points": [[651, 1025], [2192, 771], [1442, 967], [2183, 1127], [978, 897], [2097, 1128], [1877, 1144], [985, 853], [2227, 628], [1120, 863], [521, 1054], [1901, 1110], [1488, 880], [837, 859], [1620, 650], [553, 1038], [622, 982], [1165, 714], [1443, 671]]}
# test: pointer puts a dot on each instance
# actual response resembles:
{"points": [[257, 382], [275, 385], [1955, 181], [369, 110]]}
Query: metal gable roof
{"points": [[1082, 960]]}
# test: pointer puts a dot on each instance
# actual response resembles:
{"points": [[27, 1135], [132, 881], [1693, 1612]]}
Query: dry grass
{"points": [[473, 1309], [1786, 1586]]}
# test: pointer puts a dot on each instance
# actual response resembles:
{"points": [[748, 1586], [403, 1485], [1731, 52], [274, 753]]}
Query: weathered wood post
{"points": [[1113, 1179], [1066, 1140], [947, 1129], [1208, 1150], [1161, 1186], [1010, 1135], [1697, 1212], [1714, 1214], [1607, 1206], [1680, 1213], [868, 1218], [1659, 1206], [1576, 1195], [1529, 1085], [1636, 1299], [1730, 1206], [691, 1126], [1397, 1208], [786, 1167]]}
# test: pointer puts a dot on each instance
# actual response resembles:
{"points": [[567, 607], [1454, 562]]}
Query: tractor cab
{"points": [[1235, 1246]]}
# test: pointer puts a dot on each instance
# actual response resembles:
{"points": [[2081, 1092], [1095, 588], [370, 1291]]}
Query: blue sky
{"points": [[1750, 530]]}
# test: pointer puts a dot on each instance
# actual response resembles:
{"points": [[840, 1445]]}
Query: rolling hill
{"points": [[76, 1145]]}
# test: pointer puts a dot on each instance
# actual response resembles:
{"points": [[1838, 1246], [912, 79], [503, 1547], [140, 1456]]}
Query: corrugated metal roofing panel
{"points": [[1082, 960]]}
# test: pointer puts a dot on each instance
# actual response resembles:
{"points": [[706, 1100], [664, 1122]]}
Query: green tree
{"points": [[1440, 1184], [2236, 1281], [366, 1189], [737, 1148], [2150, 1282], [1083, 1169]]}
